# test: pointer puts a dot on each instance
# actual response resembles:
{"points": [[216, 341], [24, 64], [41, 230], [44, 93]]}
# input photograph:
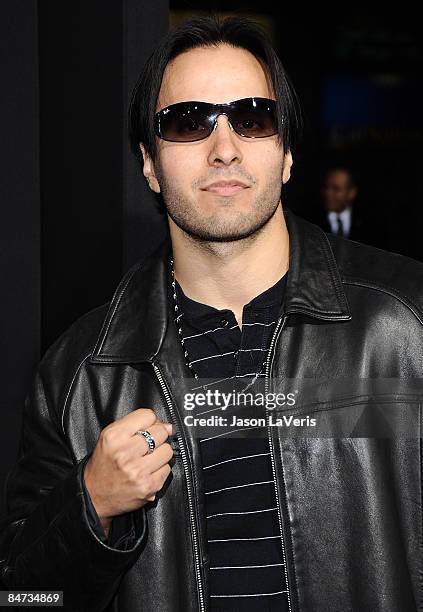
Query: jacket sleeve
{"points": [[122, 533], [46, 539]]}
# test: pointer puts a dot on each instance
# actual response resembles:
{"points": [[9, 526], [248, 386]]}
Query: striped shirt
{"points": [[247, 570]]}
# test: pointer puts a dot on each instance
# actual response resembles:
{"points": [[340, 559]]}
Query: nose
{"points": [[224, 144]]}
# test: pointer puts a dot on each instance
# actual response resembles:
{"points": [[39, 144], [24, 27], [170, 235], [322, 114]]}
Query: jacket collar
{"points": [[136, 322]]}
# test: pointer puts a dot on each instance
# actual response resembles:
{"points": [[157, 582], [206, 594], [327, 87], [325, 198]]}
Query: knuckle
{"points": [[109, 434], [163, 430], [119, 459], [132, 475], [169, 450], [156, 485], [146, 484], [164, 474], [149, 493], [149, 415]]}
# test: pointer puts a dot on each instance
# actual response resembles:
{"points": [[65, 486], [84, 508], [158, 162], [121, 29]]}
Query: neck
{"points": [[229, 275], [338, 210]]}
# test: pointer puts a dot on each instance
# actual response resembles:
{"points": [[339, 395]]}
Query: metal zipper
{"points": [[279, 326], [189, 487]]}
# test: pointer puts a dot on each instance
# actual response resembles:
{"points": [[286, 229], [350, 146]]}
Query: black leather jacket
{"points": [[350, 504]]}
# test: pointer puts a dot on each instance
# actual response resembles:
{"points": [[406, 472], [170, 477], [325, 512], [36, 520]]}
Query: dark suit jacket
{"points": [[365, 227]]}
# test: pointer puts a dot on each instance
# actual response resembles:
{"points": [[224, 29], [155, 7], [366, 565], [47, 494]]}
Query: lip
{"points": [[226, 187]]}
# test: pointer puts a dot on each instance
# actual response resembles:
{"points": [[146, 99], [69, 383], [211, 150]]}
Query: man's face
{"points": [[337, 191], [184, 170]]}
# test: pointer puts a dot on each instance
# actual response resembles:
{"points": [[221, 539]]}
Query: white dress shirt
{"points": [[344, 216]]}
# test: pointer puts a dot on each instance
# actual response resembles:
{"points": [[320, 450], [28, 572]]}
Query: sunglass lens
{"points": [[185, 123], [254, 118]]}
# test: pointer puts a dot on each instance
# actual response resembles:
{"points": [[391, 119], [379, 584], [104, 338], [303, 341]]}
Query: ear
{"points": [[148, 170], [286, 168], [353, 193]]}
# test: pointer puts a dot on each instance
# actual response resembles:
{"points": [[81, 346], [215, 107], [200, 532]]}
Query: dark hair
{"points": [[210, 31], [341, 167]]}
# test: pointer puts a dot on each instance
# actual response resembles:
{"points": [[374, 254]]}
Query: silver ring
{"points": [[150, 440]]}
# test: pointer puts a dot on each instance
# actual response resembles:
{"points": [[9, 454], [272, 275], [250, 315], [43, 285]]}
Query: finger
{"points": [[158, 458], [159, 432], [160, 476], [142, 418], [158, 480]]}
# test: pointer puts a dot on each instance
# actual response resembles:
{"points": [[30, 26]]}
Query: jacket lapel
{"points": [[136, 322], [314, 285]]}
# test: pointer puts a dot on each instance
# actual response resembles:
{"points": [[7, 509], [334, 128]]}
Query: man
{"points": [[340, 211], [241, 290], [339, 192]]}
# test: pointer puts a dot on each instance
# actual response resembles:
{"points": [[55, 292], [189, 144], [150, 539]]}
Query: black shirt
{"points": [[247, 568]]}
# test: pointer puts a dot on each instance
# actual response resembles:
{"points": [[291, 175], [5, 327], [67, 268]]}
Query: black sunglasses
{"points": [[191, 121]]}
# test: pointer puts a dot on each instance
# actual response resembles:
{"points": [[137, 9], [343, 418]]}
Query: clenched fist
{"points": [[119, 475]]}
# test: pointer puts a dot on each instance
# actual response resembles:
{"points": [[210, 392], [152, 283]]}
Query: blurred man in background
{"points": [[337, 213], [339, 192], [341, 210]]}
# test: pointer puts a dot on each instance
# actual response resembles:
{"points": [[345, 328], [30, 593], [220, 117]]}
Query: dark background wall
{"points": [[76, 212], [20, 332]]}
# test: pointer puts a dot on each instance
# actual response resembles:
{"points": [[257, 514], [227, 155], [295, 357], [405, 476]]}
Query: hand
{"points": [[120, 476]]}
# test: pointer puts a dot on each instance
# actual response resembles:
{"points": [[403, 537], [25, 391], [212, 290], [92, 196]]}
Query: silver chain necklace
{"points": [[181, 337], [178, 317]]}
